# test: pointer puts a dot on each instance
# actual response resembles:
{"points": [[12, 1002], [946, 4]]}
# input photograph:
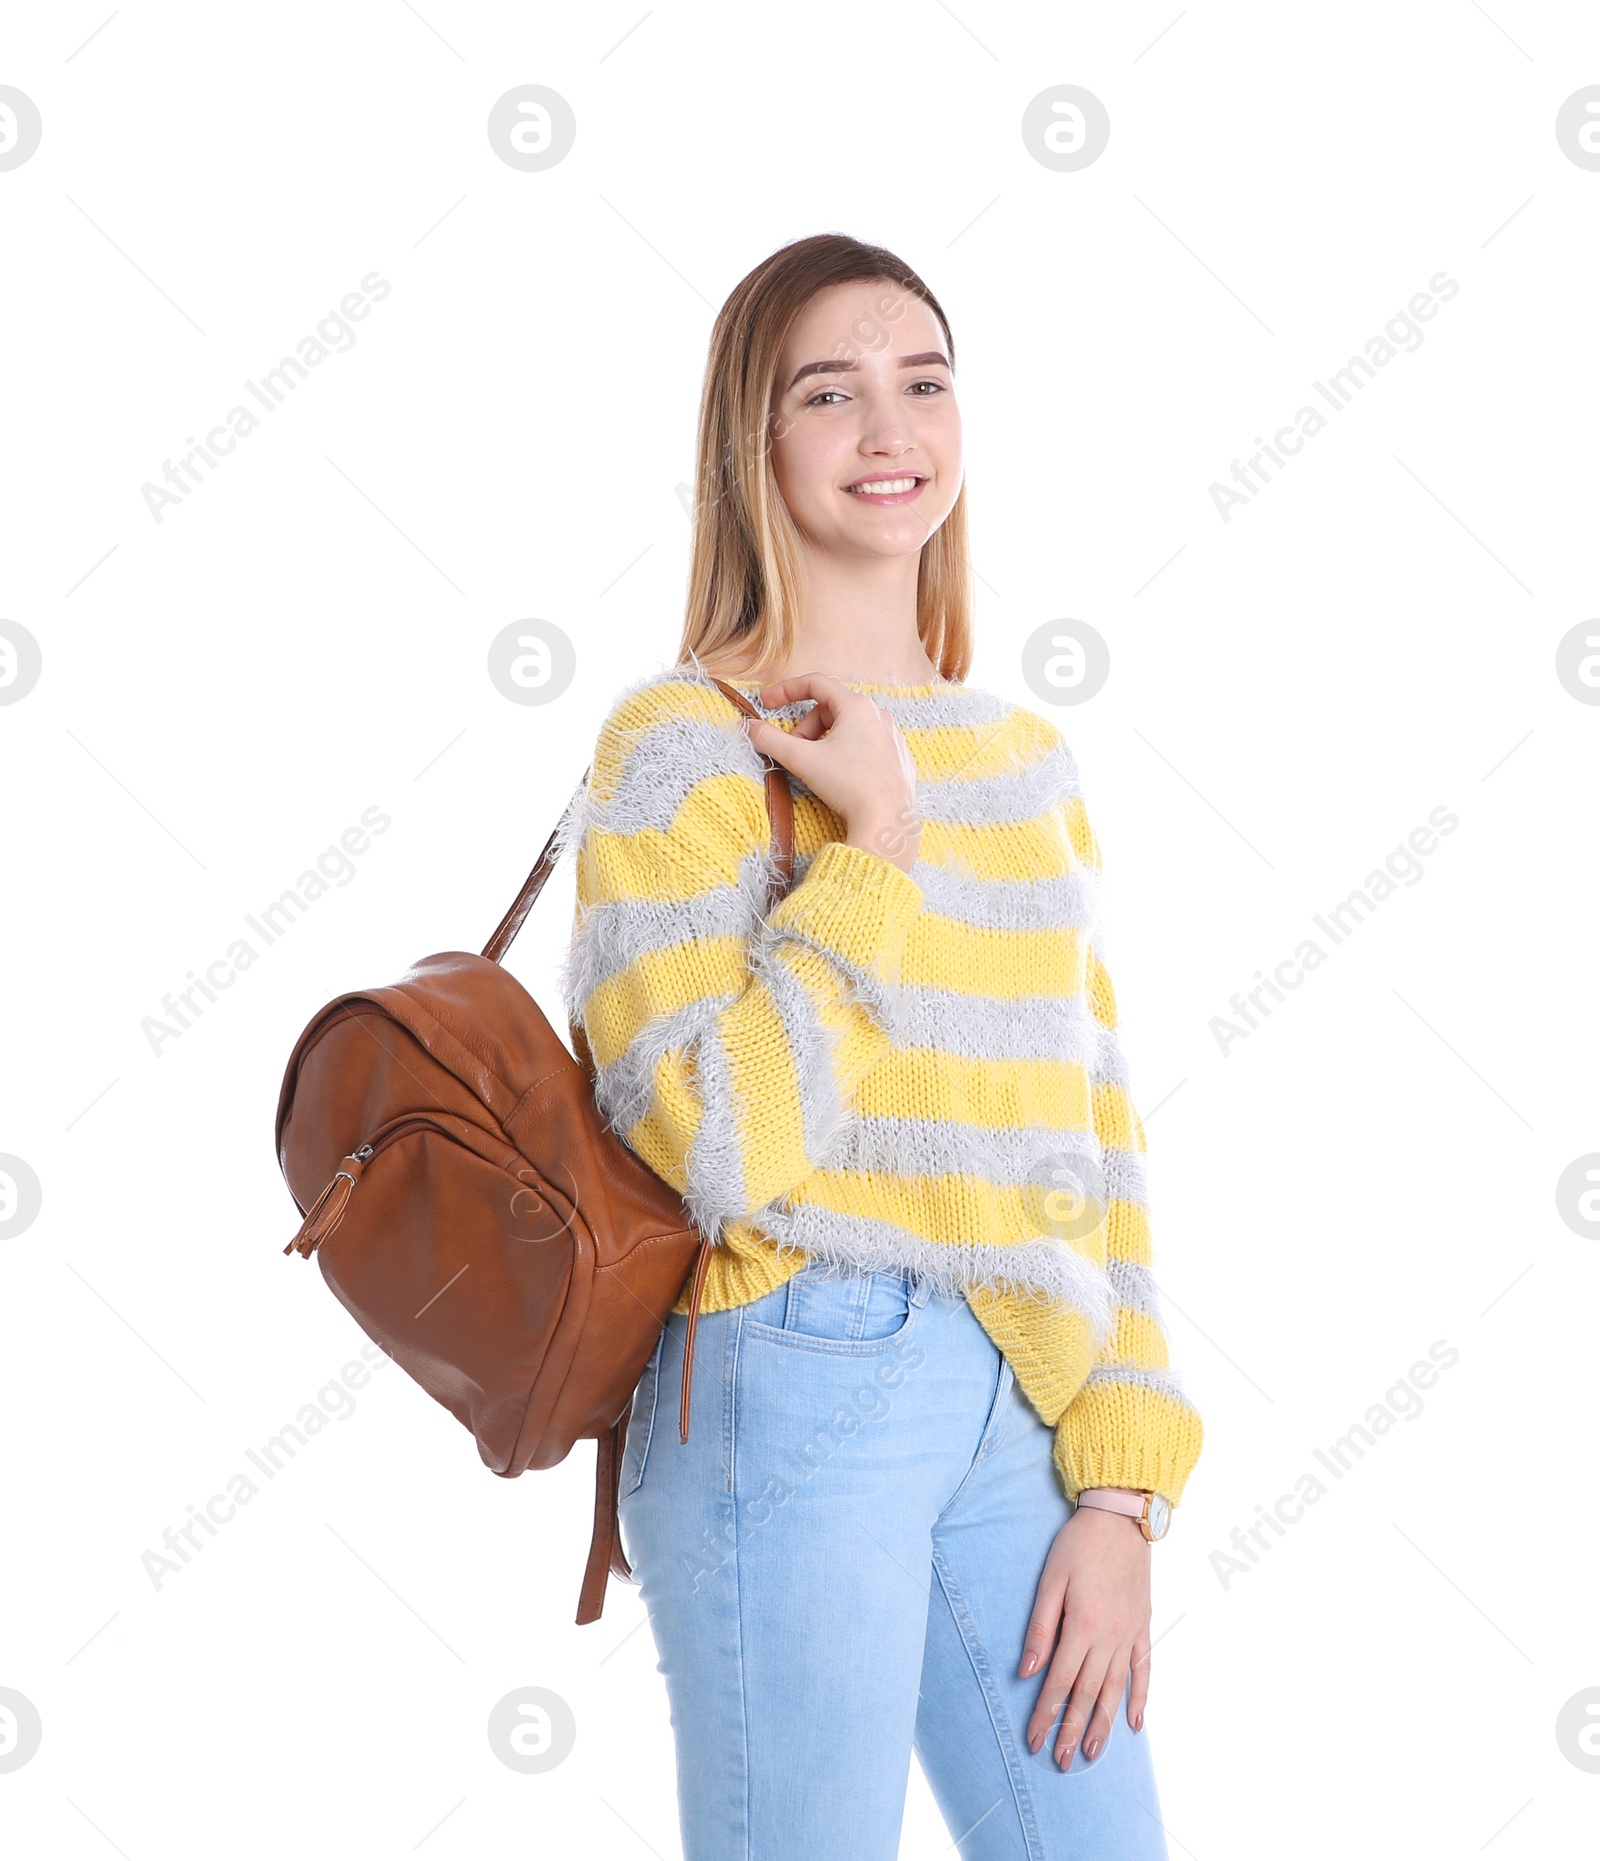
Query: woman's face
{"points": [[864, 400]]}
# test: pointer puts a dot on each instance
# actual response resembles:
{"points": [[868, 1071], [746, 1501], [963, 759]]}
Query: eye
{"points": [[937, 386], [819, 394]]}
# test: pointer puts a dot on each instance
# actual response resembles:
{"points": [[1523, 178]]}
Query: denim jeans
{"points": [[839, 1567]]}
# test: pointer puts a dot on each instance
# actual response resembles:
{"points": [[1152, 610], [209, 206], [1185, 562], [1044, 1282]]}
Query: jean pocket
{"points": [[824, 1308], [641, 1424]]}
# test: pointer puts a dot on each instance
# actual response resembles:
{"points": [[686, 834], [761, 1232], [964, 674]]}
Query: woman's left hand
{"points": [[1094, 1593]]}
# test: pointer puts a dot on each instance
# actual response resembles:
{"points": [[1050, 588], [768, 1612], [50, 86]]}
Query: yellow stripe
{"points": [[1050, 1347], [1006, 964], [1080, 833], [935, 1208], [635, 717], [1018, 850], [723, 817], [1115, 1122], [766, 1095], [660, 983], [997, 1095], [969, 752], [1128, 1233], [854, 1041], [1137, 1338]]}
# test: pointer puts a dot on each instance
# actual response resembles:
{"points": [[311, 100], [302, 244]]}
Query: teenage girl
{"points": [[935, 1432]]}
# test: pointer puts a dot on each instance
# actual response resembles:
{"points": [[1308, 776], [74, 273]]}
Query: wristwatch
{"points": [[1150, 1509]]}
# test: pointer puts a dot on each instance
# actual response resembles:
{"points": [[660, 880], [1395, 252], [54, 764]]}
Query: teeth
{"points": [[882, 487]]}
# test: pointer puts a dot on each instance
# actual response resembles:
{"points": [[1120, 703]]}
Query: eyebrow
{"points": [[928, 359]]}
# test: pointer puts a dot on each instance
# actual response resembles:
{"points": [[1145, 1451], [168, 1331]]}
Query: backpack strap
{"points": [[605, 1547], [780, 809]]}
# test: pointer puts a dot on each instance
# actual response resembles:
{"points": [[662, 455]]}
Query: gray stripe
{"points": [[665, 761], [811, 1044], [614, 933], [1007, 1158], [625, 1090], [1047, 1268], [1109, 1067], [1069, 901], [1135, 1288], [984, 1027], [714, 1167], [1126, 1178], [1163, 1382], [857, 986], [1015, 796], [959, 706]]}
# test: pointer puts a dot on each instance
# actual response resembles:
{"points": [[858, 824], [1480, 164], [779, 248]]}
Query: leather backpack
{"points": [[476, 1216]]}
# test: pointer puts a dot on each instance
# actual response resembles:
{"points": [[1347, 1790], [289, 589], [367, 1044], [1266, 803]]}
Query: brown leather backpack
{"points": [[476, 1216]]}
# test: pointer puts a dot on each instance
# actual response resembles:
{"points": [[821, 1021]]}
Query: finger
{"points": [[1057, 1688], [1139, 1690], [822, 716], [822, 686], [1080, 1703], [782, 747], [813, 724], [1043, 1625], [1106, 1703]]}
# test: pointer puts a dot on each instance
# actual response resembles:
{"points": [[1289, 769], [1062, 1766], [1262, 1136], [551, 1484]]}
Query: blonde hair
{"points": [[745, 574]]}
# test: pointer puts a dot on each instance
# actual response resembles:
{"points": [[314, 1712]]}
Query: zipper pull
{"points": [[325, 1214]]}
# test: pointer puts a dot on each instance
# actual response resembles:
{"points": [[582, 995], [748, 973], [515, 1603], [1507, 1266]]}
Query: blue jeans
{"points": [[839, 1568]]}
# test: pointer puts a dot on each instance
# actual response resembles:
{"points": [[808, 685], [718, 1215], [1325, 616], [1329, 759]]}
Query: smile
{"points": [[887, 490]]}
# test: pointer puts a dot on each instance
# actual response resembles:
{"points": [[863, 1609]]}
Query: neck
{"points": [[859, 623]]}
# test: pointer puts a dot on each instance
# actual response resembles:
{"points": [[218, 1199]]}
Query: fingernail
{"points": [[1029, 1662], [1091, 1747], [1138, 1721], [1036, 1741]]}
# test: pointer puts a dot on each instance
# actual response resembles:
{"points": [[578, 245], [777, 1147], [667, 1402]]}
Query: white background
{"points": [[1291, 693]]}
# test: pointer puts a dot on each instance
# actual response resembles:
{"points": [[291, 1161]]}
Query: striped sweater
{"points": [[890, 1070]]}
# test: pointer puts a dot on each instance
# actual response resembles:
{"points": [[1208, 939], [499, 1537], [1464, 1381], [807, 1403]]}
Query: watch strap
{"points": [[1114, 1499]]}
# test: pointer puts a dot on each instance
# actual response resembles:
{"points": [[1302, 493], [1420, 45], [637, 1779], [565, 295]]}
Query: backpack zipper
{"points": [[325, 1214]]}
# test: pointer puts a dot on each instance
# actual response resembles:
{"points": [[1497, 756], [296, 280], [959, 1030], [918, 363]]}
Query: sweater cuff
{"points": [[1120, 1434], [857, 908]]}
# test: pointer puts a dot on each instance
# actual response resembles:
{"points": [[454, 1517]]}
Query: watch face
{"points": [[1160, 1516]]}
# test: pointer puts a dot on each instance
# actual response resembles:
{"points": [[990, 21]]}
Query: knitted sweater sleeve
{"points": [[725, 1046], [1131, 1424]]}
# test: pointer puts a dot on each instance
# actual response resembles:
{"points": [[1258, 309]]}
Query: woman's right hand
{"points": [[851, 754]]}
